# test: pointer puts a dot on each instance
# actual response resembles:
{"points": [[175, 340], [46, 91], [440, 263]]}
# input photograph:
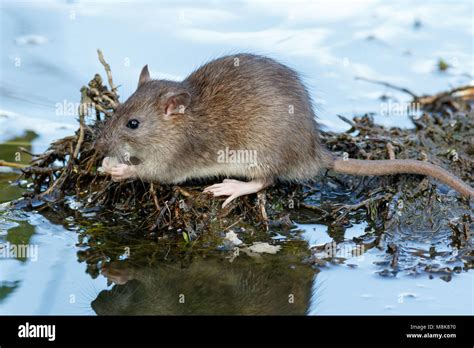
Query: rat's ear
{"points": [[144, 76], [176, 102]]}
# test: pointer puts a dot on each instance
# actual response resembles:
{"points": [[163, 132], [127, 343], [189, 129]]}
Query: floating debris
{"points": [[443, 65], [232, 238], [261, 247]]}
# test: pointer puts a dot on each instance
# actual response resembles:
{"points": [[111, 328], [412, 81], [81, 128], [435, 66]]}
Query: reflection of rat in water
{"points": [[243, 106], [208, 286]]}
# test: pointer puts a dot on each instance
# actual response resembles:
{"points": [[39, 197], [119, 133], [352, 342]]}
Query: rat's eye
{"points": [[133, 124]]}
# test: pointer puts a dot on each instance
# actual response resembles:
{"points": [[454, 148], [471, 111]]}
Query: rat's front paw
{"points": [[118, 171], [122, 172], [107, 164]]}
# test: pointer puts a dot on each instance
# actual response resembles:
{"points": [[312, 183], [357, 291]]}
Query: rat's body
{"points": [[238, 116]]}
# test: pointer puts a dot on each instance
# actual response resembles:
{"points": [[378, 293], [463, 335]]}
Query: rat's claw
{"points": [[235, 188], [228, 200]]}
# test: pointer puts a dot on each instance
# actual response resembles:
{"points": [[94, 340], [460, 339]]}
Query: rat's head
{"points": [[147, 128]]}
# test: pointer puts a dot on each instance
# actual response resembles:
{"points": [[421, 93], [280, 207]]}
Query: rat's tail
{"points": [[388, 167]]}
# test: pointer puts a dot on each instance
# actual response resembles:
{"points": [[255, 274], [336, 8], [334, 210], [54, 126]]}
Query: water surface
{"points": [[49, 52]]}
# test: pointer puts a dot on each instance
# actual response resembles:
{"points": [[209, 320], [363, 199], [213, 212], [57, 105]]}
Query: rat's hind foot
{"points": [[236, 188]]}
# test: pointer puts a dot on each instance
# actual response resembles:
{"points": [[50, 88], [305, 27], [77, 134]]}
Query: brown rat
{"points": [[242, 116]]}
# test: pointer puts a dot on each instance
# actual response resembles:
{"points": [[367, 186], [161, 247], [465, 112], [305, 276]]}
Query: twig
{"points": [[262, 200], [84, 97], [345, 119], [386, 84], [365, 203], [353, 124], [464, 93], [22, 149], [233, 224], [101, 109], [182, 191], [163, 211], [107, 70], [12, 164], [315, 208], [390, 150], [155, 198], [41, 170]]}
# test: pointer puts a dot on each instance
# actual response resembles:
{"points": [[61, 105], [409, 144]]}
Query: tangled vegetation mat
{"points": [[421, 224]]}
